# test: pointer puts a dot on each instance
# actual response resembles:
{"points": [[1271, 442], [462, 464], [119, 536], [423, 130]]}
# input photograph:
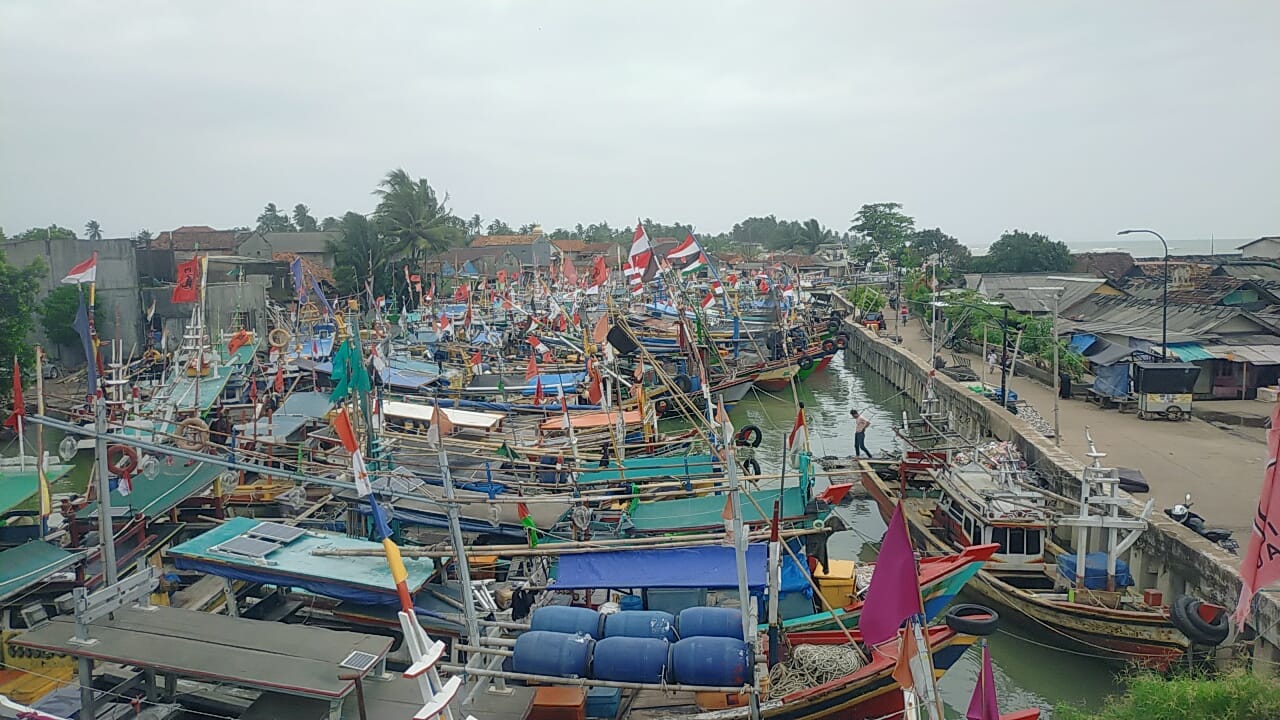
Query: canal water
{"points": [[1029, 670]]}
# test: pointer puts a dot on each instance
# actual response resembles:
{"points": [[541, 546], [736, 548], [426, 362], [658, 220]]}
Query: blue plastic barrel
{"points": [[711, 622], [631, 602], [566, 619], [539, 652], [630, 659], [718, 661], [641, 624]]}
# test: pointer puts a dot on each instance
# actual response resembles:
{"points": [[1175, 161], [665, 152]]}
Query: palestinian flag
{"points": [[526, 520]]}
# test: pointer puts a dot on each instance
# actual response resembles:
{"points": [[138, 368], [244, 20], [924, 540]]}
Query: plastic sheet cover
{"points": [[700, 567]]}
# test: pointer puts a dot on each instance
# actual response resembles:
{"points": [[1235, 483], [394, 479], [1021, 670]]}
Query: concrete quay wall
{"points": [[1167, 557]]}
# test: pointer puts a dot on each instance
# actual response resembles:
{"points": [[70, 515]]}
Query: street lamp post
{"points": [[1164, 303], [1057, 382]]}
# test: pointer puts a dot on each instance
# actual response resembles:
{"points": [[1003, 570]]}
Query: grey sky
{"points": [[1071, 118]]}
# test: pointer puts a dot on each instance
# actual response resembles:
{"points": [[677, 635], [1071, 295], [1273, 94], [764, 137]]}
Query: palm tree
{"points": [[811, 235], [271, 220], [302, 219], [361, 253], [93, 230], [475, 225], [412, 215]]}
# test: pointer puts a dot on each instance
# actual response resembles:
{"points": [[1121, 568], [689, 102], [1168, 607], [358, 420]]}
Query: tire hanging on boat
{"points": [[842, 340], [973, 620], [279, 338], [684, 382], [750, 466], [805, 362], [749, 436], [828, 345], [1184, 613]]}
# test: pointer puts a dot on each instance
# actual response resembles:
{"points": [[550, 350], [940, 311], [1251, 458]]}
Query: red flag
{"points": [[906, 652], [19, 406], [531, 371], [280, 378], [1260, 564], [595, 391], [539, 348], [601, 331], [599, 271], [462, 293], [342, 426], [894, 594], [444, 425], [476, 360], [538, 396], [187, 289], [569, 272]]}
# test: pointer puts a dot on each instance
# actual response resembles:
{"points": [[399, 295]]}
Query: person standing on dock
{"points": [[860, 425]]}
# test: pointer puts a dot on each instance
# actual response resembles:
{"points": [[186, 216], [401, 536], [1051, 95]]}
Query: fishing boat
{"points": [[1086, 598]]}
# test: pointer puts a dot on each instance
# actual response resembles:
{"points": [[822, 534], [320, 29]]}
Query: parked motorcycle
{"points": [[1183, 515]]}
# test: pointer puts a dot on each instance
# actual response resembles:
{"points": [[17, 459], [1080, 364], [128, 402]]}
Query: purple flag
{"points": [[894, 594], [295, 267], [983, 705]]}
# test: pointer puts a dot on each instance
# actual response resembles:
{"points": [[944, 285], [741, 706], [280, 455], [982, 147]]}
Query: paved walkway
{"points": [[1221, 469]]}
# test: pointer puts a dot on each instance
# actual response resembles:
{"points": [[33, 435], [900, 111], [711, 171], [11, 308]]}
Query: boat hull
{"points": [[1146, 639]]}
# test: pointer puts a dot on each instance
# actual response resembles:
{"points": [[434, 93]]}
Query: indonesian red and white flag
{"points": [[687, 249], [539, 348], [641, 255], [444, 323], [717, 287], [799, 437], [789, 291], [342, 427], [476, 361], [569, 272], [1260, 564], [531, 371], [708, 300], [85, 272]]}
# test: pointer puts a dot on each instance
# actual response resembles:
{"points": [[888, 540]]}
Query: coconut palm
{"points": [[93, 230], [302, 219], [811, 235], [272, 220], [475, 225], [410, 212]]}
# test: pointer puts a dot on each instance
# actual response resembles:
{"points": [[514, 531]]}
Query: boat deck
{"points": [[290, 659]]}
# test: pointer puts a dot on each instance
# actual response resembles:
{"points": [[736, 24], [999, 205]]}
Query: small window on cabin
{"points": [[968, 528], [1017, 541], [1033, 542], [956, 512], [1000, 536]]}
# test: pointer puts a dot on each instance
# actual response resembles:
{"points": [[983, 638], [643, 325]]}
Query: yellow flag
{"points": [[46, 503]]}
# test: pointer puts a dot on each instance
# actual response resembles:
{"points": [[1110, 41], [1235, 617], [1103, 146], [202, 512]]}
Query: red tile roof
{"points": [[314, 268], [497, 240], [571, 245], [191, 237]]}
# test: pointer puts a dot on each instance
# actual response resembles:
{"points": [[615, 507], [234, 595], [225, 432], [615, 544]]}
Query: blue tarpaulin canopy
{"points": [[1081, 342], [700, 567], [1095, 570]]}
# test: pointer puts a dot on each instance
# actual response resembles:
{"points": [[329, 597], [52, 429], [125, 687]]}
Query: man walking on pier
{"points": [[860, 425]]}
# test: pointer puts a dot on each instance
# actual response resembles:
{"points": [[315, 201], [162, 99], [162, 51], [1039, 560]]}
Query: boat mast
{"points": [[740, 556]]}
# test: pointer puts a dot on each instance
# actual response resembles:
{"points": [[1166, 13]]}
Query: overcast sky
{"points": [[1070, 118]]}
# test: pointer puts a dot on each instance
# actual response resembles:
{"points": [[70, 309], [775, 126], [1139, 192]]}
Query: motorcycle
{"points": [[1183, 515]]}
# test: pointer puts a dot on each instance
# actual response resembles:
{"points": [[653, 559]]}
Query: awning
{"points": [[424, 413], [1255, 354], [1188, 352], [584, 421], [1105, 353], [1082, 341], [714, 566], [29, 564]]}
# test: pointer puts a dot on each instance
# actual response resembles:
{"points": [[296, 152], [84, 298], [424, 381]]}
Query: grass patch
{"points": [[1236, 695]]}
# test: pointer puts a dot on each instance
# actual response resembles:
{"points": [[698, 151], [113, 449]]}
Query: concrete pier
{"points": [[1168, 557]]}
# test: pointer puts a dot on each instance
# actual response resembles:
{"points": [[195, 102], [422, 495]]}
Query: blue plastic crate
{"points": [[602, 702]]}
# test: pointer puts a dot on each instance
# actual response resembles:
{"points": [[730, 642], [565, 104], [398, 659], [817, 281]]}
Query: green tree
{"points": [[18, 288], [885, 226], [53, 232], [330, 223], [302, 219], [950, 252], [93, 231], [410, 212], [363, 252], [142, 239], [498, 227], [1022, 252], [475, 225], [58, 313], [272, 220], [811, 235]]}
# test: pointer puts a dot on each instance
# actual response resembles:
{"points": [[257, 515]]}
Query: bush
{"points": [[1236, 695]]}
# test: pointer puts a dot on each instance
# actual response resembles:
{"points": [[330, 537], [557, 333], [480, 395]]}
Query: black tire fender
{"points": [[976, 620], [828, 345], [684, 382], [750, 466], [805, 362], [842, 340], [662, 406], [750, 436], [1184, 612]]}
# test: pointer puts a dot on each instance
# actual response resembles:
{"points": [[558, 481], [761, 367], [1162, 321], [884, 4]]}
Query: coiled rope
{"points": [[810, 666]]}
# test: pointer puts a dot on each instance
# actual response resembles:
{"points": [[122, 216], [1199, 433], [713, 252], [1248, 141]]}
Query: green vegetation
{"points": [[1022, 252], [866, 298], [1233, 696], [411, 215], [971, 325], [18, 288], [58, 312], [93, 230]]}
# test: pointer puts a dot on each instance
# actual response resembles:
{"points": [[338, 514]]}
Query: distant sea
{"points": [[1147, 246]]}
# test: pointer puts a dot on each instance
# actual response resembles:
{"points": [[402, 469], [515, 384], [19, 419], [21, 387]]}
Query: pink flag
{"points": [[894, 594], [983, 706], [1260, 565]]}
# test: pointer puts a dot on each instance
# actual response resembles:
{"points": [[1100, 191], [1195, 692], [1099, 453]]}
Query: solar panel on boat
{"points": [[276, 532], [247, 547], [359, 661]]}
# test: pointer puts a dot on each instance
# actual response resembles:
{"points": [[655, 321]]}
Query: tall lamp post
{"points": [[1004, 342], [1164, 303]]}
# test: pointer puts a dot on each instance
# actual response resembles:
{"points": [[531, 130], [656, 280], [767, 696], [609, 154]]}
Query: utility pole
{"points": [[1057, 376]]}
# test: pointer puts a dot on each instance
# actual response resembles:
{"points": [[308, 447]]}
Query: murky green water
{"points": [[1028, 670]]}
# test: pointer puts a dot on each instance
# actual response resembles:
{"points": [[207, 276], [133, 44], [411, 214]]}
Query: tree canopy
{"points": [[58, 313], [302, 220], [52, 232], [951, 253], [884, 226], [93, 231], [410, 212], [18, 288], [272, 220], [363, 252], [1022, 252]]}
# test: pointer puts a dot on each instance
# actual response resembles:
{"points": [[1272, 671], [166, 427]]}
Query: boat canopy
{"points": [[705, 511], [713, 566], [155, 496], [30, 563], [365, 580], [591, 420], [638, 468], [551, 382], [17, 486], [425, 413]]}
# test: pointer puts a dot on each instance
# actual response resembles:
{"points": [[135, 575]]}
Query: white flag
{"points": [[363, 486]]}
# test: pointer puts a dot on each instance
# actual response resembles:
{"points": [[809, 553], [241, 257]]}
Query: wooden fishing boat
{"points": [[1037, 579]]}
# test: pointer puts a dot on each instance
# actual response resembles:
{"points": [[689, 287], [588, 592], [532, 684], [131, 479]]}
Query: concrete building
{"points": [[117, 286], [311, 246], [1263, 247]]}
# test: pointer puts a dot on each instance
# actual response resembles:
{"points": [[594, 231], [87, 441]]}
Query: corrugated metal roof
{"points": [[1255, 354], [1189, 352], [1015, 289]]}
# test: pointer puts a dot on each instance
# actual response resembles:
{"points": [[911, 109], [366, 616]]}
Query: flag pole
{"points": [[45, 509], [18, 414]]}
